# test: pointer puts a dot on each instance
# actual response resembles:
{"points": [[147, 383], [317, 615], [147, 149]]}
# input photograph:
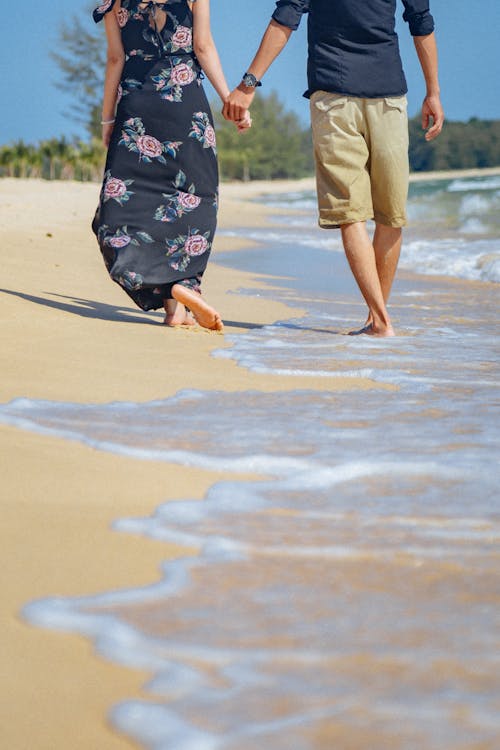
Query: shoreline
{"points": [[256, 188], [451, 174]]}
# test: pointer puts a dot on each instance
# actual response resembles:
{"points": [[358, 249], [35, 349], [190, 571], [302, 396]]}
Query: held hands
{"points": [[237, 104], [432, 112]]}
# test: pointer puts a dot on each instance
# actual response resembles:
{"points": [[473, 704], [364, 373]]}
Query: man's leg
{"points": [[387, 247], [363, 261], [389, 171]]}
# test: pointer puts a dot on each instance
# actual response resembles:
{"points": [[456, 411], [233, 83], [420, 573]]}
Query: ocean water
{"points": [[454, 227], [347, 596]]}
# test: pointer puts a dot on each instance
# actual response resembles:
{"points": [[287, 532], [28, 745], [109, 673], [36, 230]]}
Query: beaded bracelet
{"points": [[107, 122]]}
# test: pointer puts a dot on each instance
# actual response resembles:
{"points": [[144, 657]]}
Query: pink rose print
{"points": [[203, 131], [122, 17], [103, 8], [183, 38], [135, 138], [210, 137], [115, 188], [182, 75], [121, 241], [182, 249], [196, 244], [149, 146], [188, 201]]}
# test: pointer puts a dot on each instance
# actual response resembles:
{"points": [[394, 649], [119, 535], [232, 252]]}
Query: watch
{"points": [[250, 81]]}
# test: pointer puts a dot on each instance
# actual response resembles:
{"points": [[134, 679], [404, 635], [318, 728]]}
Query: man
{"points": [[357, 88]]}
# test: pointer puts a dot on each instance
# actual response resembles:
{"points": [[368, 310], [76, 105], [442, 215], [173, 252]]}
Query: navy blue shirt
{"points": [[353, 45]]}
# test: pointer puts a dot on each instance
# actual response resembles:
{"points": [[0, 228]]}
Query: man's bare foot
{"points": [[371, 330], [204, 315]]}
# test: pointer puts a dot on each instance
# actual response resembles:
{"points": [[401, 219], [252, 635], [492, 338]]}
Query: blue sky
{"points": [[33, 108]]}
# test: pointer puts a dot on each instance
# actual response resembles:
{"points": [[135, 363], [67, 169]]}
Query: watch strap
{"points": [[250, 81]]}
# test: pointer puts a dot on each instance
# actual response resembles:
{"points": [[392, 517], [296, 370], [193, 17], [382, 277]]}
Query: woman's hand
{"points": [[245, 123]]}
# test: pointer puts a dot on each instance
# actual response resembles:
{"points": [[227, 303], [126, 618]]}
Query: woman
{"points": [[157, 212]]}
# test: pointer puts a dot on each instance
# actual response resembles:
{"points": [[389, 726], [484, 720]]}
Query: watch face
{"points": [[249, 80]]}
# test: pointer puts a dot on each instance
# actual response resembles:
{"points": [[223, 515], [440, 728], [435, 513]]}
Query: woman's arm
{"points": [[205, 49], [114, 66]]}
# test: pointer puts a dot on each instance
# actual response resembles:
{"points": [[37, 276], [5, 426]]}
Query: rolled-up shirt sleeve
{"points": [[289, 12], [418, 16]]}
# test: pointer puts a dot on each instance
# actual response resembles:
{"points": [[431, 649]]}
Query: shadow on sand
{"points": [[87, 308]]}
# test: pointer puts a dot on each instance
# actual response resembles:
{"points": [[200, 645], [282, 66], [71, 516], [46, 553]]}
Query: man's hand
{"points": [[432, 112], [238, 103]]}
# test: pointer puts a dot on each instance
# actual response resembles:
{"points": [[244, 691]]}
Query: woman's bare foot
{"points": [[174, 321], [204, 315], [176, 314]]}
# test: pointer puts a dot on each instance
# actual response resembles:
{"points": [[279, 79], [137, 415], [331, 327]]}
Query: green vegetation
{"points": [[276, 147], [461, 145], [81, 60], [54, 159]]}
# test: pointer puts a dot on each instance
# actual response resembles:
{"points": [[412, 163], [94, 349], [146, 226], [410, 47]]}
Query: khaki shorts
{"points": [[361, 154]]}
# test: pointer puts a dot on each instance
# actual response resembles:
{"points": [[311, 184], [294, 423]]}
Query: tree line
{"points": [[461, 145], [53, 159], [277, 147]]}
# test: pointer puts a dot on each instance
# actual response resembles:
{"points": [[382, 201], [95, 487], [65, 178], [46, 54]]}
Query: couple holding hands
{"points": [[157, 212]]}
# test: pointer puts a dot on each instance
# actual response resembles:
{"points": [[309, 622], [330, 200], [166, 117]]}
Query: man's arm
{"points": [[274, 40], [418, 17], [432, 109]]}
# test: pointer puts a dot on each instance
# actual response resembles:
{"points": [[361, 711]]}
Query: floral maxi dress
{"points": [[158, 205]]}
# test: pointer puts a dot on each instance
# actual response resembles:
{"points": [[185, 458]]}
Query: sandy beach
{"points": [[70, 334]]}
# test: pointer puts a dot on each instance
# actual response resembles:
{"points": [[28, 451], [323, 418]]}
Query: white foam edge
{"points": [[257, 463], [261, 464], [178, 521], [159, 728]]}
